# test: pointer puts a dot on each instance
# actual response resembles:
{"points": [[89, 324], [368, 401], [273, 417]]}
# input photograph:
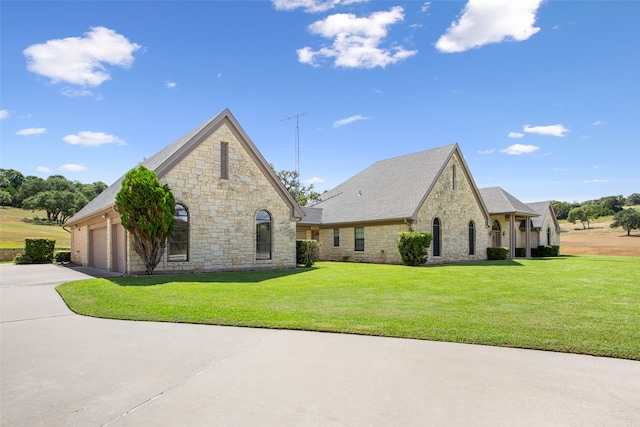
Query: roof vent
{"points": [[359, 192]]}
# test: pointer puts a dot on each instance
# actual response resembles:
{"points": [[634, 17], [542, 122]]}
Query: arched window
{"points": [[549, 236], [263, 235], [472, 238], [178, 243], [437, 238]]}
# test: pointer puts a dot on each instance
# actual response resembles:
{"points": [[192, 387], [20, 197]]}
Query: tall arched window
{"points": [[437, 238], [549, 236], [178, 243], [263, 235], [472, 238]]}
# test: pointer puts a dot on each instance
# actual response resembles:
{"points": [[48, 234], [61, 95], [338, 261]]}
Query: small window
{"points": [[263, 235], [336, 237], [437, 238], [472, 238], [359, 239], [453, 180], [178, 244], [549, 236], [224, 160]]}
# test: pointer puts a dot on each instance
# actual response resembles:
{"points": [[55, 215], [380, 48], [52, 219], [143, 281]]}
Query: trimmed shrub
{"points": [[40, 251], [545, 251], [306, 252], [63, 256], [497, 253], [413, 247], [22, 259], [521, 252]]}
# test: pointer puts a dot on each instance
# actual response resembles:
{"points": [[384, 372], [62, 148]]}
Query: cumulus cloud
{"points": [[356, 41], [311, 6], [43, 169], [595, 181], [4, 114], [552, 130], [170, 85], [599, 123], [425, 7], [348, 120], [74, 93], [490, 21], [31, 131], [516, 135], [314, 180], [518, 149], [81, 60], [70, 167], [92, 139]]}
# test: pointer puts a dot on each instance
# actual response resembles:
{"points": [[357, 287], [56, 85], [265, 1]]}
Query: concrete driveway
{"points": [[61, 369]]}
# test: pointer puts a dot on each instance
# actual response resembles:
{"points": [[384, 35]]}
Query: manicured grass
{"points": [[13, 230], [582, 304]]}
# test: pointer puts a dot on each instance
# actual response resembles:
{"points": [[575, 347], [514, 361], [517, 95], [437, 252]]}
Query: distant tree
{"points": [[60, 183], [583, 214], [613, 203], [59, 205], [291, 181], [562, 209], [628, 219], [5, 198], [146, 210], [14, 177], [633, 199], [90, 191], [31, 186]]}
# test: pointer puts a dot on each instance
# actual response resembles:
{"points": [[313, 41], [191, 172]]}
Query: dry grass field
{"points": [[600, 239], [13, 230]]}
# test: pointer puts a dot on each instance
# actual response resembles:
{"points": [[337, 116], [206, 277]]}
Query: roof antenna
{"points": [[297, 147]]}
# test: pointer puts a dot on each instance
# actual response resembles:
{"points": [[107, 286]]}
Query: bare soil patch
{"points": [[600, 239]]}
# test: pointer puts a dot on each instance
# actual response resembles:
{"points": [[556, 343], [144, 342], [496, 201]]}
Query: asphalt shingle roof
{"points": [[499, 201], [389, 189]]}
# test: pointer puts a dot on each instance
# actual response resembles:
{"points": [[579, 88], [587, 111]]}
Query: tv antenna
{"points": [[297, 149]]}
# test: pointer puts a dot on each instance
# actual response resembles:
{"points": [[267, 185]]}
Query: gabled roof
{"points": [[499, 201], [164, 160], [389, 190], [543, 209]]}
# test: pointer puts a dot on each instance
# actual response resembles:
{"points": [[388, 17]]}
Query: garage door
{"points": [[98, 255]]}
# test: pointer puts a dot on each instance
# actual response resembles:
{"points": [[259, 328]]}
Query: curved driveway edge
{"points": [[61, 369]]}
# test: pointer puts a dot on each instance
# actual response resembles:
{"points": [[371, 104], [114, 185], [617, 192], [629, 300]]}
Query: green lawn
{"points": [[578, 304]]}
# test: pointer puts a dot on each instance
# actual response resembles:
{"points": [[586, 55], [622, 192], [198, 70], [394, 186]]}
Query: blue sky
{"points": [[543, 97]]}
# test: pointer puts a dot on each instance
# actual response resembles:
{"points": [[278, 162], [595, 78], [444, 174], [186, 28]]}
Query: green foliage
{"points": [[38, 251], [23, 259], [306, 252], [146, 209], [628, 219], [497, 253], [545, 251], [521, 252], [633, 199], [584, 214], [63, 256], [300, 193], [60, 205], [5, 198], [413, 247]]}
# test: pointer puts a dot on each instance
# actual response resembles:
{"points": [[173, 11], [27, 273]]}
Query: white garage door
{"points": [[98, 238]]}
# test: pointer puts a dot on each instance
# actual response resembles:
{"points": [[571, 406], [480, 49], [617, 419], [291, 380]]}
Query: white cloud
{"points": [[356, 41], [311, 6], [314, 180], [490, 21], [81, 60], [92, 139], [70, 167], [595, 181], [599, 123], [552, 130], [43, 169], [74, 93], [171, 85], [516, 135], [4, 114], [31, 131], [425, 7], [348, 120], [518, 149], [486, 151]]}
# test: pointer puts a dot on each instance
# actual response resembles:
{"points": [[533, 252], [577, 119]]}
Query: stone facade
{"points": [[454, 205]]}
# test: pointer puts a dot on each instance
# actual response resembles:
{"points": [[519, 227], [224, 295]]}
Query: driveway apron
{"points": [[61, 369]]}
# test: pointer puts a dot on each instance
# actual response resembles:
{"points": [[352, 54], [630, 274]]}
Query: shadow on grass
{"points": [[254, 276]]}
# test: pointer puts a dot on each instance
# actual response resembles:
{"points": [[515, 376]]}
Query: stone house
{"points": [[232, 211], [431, 190], [545, 229]]}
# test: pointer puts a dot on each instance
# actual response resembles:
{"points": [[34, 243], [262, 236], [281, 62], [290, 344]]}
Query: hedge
{"points": [[497, 253], [306, 252], [37, 251]]}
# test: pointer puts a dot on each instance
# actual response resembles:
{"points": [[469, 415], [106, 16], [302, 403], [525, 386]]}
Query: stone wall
{"points": [[9, 254]]}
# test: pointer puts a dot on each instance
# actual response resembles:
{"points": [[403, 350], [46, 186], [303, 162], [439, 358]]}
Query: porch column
{"points": [[109, 245], [528, 243], [512, 236]]}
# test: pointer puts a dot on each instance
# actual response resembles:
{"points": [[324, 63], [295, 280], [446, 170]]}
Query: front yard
{"points": [[577, 304]]}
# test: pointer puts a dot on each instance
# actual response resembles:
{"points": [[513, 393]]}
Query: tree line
{"points": [[59, 197], [585, 212]]}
